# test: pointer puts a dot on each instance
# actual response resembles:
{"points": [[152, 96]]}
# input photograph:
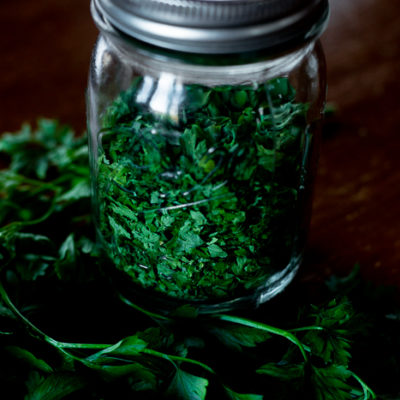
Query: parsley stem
{"points": [[143, 311], [16, 225], [173, 358], [307, 328], [264, 327], [367, 390], [91, 346], [34, 182], [35, 331], [194, 203], [38, 334], [96, 346]]}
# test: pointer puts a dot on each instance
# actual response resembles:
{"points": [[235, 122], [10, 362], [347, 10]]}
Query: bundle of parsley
{"points": [[66, 334]]}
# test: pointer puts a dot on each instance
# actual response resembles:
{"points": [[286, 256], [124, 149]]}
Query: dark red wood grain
{"points": [[45, 50], [356, 213]]}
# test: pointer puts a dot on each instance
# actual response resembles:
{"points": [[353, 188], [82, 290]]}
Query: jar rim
{"points": [[215, 26]]}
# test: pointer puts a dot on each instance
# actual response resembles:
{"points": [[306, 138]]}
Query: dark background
{"points": [[45, 50]]}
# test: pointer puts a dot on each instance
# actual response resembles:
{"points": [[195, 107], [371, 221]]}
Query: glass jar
{"points": [[203, 121]]}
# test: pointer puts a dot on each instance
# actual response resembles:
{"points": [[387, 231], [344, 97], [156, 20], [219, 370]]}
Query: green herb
{"points": [[63, 333], [204, 205]]}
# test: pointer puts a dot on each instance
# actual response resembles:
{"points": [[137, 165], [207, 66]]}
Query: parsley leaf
{"points": [[237, 337], [239, 396], [185, 386], [56, 387]]}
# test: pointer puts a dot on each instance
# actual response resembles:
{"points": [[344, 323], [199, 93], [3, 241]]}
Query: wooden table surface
{"points": [[45, 49]]}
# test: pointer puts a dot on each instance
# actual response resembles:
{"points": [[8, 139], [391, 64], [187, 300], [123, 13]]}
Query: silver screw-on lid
{"points": [[215, 26]]}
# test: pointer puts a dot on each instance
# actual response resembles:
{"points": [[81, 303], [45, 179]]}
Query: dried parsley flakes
{"points": [[204, 206]]}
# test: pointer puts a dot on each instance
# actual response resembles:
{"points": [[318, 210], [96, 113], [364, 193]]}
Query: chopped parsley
{"points": [[205, 205]]}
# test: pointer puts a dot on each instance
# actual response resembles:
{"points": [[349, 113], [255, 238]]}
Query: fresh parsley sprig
{"points": [[133, 356]]}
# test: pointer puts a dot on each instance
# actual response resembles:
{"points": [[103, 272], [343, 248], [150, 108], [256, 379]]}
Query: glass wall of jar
{"points": [[202, 167]]}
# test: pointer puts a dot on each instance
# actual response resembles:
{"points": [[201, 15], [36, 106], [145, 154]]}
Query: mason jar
{"points": [[204, 125]]}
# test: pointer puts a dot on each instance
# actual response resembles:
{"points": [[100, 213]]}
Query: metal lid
{"points": [[215, 26]]}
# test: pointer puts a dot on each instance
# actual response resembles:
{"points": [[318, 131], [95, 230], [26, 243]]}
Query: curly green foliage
{"points": [[64, 334], [47, 178]]}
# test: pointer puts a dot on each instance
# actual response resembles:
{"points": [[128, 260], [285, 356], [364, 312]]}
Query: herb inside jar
{"points": [[203, 206]]}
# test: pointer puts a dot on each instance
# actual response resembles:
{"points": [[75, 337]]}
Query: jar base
{"points": [[165, 305], [272, 287]]}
